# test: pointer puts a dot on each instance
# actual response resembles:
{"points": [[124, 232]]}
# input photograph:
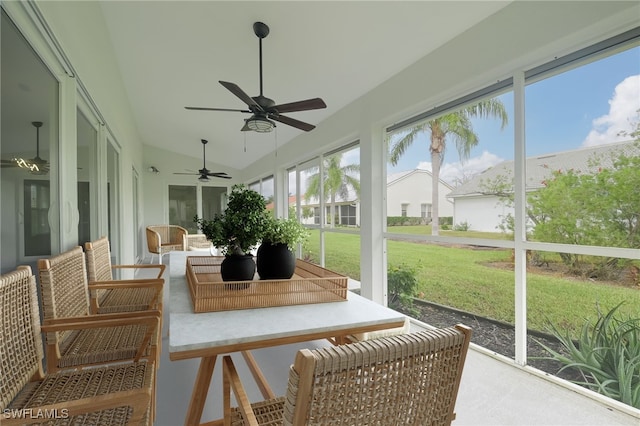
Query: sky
{"points": [[586, 106]]}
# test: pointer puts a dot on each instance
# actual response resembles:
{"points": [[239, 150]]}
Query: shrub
{"points": [[402, 284], [607, 355], [404, 220], [463, 226]]}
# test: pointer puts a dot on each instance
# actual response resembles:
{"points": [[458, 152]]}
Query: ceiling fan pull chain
{"points": [[245, 141]]}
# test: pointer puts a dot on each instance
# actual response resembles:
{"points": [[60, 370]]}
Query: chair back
{"points": [[63, 283], [409, 379], [21, 350], [160, 235], [98, 254]]}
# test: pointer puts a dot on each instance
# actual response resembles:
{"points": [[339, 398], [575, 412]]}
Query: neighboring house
{"points": [[409, 194], [347, 211], [475, 204]]}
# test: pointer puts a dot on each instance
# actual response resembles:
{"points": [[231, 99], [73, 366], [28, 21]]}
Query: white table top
{"points": [[210, 333]]}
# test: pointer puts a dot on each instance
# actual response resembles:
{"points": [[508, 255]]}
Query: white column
{"points": [[520, 267], [373, 273]]}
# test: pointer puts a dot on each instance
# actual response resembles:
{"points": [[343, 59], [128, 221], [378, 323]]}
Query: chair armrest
{"points": [[231, 381], [85, 319], [179, 235], [145, 266], [115, 284], [153, 241], [101, 321]]}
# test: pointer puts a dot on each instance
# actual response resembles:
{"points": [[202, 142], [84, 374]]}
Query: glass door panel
{"points": [[183, 206], [87, 137], [37, 234], [213, 201], [29, 221]]}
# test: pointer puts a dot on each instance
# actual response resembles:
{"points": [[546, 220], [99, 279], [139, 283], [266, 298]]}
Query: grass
{"points": [[463, 278], [426, 230]]}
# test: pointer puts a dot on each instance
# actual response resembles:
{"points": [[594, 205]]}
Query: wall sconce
{"points": [[152, 169]]}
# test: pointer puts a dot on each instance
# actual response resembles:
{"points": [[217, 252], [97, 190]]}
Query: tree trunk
{"points": [[332, 208], [435, 179]]}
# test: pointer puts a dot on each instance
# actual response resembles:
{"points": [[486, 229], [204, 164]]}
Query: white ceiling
{"points": [[171, 54]]}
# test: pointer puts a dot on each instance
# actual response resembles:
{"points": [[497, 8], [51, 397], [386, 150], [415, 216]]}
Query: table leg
{"points": [[261, 381], [200, 390]]}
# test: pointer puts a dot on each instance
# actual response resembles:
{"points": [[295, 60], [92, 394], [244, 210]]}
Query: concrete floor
{"points": [[492, 392]]}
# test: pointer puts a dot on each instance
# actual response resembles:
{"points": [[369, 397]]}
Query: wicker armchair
{"points": [[108, 395], [147, 293], [412, 379], [162, 239], [65, 297]]}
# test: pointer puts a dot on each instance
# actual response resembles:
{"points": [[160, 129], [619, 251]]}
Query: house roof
{"points": [[395, 177], [541, 167]]}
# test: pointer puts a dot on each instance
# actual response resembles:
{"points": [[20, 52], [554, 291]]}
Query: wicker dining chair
{"points": [[409, 379], [120, 394], [147, 294], [65, 295], [162, 239]]}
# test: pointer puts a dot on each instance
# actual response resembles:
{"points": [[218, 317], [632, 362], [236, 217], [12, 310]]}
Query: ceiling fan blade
{"points": [[190, 174], [222, 175], [293, 122], [217, 109], [306, 105], [233, 88]]}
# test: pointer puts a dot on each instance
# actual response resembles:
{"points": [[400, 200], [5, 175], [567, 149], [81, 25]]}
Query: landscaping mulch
{"points": [[497, 336]]}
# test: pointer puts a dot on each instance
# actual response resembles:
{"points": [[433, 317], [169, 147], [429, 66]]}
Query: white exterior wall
{"points": [[414, 189], [482, 213]]}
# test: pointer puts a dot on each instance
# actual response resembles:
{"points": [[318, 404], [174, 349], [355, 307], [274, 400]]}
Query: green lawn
{"points": [[462, 278], [426, 230]]}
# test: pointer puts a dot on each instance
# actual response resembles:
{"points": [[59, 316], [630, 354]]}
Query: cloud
{"points": [[623, 113], [456, 173]]}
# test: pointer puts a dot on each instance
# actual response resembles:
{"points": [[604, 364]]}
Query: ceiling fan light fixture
{"points": [[260, 124], [26, 164]]}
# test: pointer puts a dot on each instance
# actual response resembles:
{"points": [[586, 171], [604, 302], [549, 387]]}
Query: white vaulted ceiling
{"points": [[172, 54]]}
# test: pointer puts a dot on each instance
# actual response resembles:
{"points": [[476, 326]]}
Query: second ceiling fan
{"points": [[262, 109], [205, 173]]}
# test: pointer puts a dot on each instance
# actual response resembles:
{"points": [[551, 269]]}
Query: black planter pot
{"points": [[238, 268], [275, 261]]}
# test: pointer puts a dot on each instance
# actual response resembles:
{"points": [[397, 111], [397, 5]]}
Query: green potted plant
{"points": [[236, 231], [276, 259]]}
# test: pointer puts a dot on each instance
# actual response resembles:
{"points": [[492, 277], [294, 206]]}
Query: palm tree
{"points": [[336, 181], [456, 125]]}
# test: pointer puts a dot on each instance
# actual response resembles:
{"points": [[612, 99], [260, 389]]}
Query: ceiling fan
{"points": [[35, 165], [205, 173], [262, 109]]}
